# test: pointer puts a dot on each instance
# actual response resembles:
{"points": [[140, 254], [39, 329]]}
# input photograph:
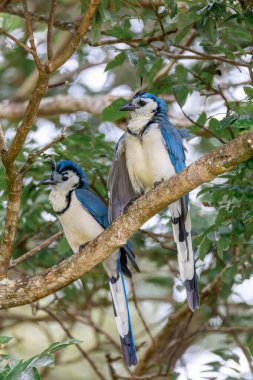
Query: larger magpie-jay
{"points": [[83, 217], [149, 152]]}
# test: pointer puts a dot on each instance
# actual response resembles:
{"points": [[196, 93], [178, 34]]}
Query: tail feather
{"points": [[122, 317], [192, 291], [181, 225]]}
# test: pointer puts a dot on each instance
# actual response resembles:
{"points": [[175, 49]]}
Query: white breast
{"points": [[78, 225], [147, 159]]}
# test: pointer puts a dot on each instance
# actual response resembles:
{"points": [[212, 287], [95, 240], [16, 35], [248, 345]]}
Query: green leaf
{"points": [[229, 274], [180, 35], [5, 339], [117, 61], [36, 375], [181, 93], [119, 32], [172, 6], [250, 345], [204, 248], [112, 113], [248, 91], [222, 245], [214, 124], [96, 27], [249, 17]]}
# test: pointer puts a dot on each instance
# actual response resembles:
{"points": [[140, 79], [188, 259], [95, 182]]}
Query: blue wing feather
{"points": [[174, 144], [94, 205]]}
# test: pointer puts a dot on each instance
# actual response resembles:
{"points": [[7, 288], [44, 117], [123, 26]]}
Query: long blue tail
{"points": [[122, 316]]}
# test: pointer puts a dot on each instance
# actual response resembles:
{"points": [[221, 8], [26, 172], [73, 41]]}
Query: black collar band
{"points": [[68, 199], [132, 133]]}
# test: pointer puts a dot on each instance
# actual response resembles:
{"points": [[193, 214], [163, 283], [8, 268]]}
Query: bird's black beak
{"points": [[47, 181], [128, 107]]}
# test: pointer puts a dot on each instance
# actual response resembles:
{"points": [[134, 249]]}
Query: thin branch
{"points": [[50, 52], [204, 57], [19, 43], [199, 125], [140, 314], [63, 25], [82, 351], [58, 84], [33, 156], [4, 5], [31, 36], [208, 167], [35, 250]]}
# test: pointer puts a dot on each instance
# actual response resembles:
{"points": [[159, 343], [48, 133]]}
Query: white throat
{"points": [[58, 199], [137, 123]]}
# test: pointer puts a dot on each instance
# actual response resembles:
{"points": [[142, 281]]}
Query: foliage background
{"points": [[198, 57]]}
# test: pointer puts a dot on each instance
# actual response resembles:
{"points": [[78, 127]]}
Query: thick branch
{"points": [[24, 291], [58, 105], [77, 37]]}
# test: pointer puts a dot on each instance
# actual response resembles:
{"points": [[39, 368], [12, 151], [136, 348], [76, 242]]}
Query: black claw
{"points": [[82, 246], [157, 183], [130, 203]]}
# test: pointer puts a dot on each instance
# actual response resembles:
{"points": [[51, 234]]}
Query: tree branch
{"points": [[31, 36], [33, 156], [30, 111], [50, 52], [35, 250], [19, 43], [58, 105], [24, 291], [59, 60]]}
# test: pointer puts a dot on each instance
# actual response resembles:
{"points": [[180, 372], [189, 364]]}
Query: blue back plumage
{"points": [[94, 205]]}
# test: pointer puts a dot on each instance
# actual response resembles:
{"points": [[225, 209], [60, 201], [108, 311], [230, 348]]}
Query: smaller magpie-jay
{"points": [[83, 216]]}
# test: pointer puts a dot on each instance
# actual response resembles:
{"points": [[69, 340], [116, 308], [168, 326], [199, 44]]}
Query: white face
{"points": [[146, 107], [66, 181]]}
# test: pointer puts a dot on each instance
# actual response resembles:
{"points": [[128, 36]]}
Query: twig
{"points": [[197, 124], [140, 314], [54, 85], [4, 5], [82, 351], [19, 43], [201, 57], [31, 36], [35, 250], [33, 156], [50, 52]]}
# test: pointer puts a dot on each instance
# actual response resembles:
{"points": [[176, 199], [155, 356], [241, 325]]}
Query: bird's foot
{"points": [[130, 203], [157, 183], [82, 246]]}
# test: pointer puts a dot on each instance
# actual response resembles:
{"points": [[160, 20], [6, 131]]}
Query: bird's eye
{"points": [[65, 177], [142, 103]]}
